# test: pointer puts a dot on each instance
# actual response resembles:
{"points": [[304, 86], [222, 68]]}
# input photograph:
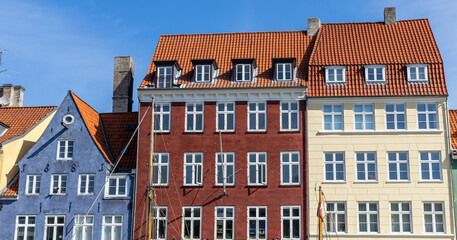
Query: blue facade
{"points": [[87, 158]]}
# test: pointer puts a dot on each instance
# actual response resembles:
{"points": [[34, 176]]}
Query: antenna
{"points": [[4, 101]]}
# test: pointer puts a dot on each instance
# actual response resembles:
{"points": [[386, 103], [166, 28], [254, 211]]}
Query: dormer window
{"points": [[167, 73], [375, 74], [284, 69], [3, 129], [417, 73], [335, 74], [205, 70], [203, 73], [244, 70]]}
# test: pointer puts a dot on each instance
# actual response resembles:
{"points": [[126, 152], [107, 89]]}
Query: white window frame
{"points": [[159, 115], [397, 162], [87, 184], [428, 113], [35, 181], [289, 112], [81, 222], [225, 166], [54, 226], [116, 177], [364, 115], [197, 169], [333, 114], [365, 162], [290, 218], [259, 167], [334, 163], [396, 113], [334, 215], [430, 162], [159, 218], [224, 220], [290, 164], [257, 113], [159, 163], [434, 214], [368, 213], [401, 214], [243, 72], [27, 226], [375, 68], [164, 75], [417, 67], [192, 218], [200, 72], [65, 149], [284, 72], [193, 114], [225, 113], [334, 69], [61, 178], [112, 226], [257, 218]]}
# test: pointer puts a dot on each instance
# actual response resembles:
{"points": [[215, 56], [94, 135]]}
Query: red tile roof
{"points": [[11, 190], [21, 119], [223, 47], [453, 126], [356, 44], [119, 128]]}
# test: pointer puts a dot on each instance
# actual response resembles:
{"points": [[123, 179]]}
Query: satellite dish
{"points": [[4, 101]]}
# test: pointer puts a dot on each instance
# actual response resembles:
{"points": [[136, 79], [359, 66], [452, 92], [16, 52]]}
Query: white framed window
{"points": [[290, 117], [398, 166], [290, 222], [395, 116], [86, 184], [243, 72], [117, 186], [194, 117], [333, 117], [427, 116], [224, 222], [65, 149], [225, 168], [59, 184], [366, 166], [193, 169], [290, 168], [257, 222], [54, 227], [33, 184], [400, 217], [160, 215], [162, 116], [335, 74], [257, 116], [364, 116], [257, 168], [284, 71], [434, 217], [191, 223], [430, 166], [203, 73], [368, 217], [25, 227], [112, 227], [225, 117], [160, 168], [417, 72], [375, 73], [83, 227], [334, 166], [336, 216], [164, 77]]}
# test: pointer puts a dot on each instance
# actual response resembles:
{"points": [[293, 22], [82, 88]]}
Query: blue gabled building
{"points": [[77, 181]]}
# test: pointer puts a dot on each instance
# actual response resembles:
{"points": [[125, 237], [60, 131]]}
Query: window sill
{"points": [[53, 194], [289, 131], [224, 132], [341, 83], [334, 182], [221, 186], [160, 186], [192, 186], [82, 195], [167, 132], [431, 181], [421, 81], [398, 181], [116, 198], [363, 182], [256, 186], [289, 185], [199, 132], [355, 132], [376, 82], [256, 132]]}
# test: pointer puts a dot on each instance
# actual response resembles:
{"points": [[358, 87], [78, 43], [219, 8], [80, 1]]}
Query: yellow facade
{"points": [[381, 191], [13, 150]]}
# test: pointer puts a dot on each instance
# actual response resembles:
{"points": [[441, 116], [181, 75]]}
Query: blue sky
{"points": [[55, 46]]}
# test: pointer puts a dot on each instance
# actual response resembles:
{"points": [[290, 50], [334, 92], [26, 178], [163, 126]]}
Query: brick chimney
{"points": [[123, 84], [15, 94], [313, 26], [390, 17]]}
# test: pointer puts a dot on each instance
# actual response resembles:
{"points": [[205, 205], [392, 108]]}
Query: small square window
{"points": [[203, 73], [243, 72], [117, 186], [335, 75], [86, 184], [59, 184], [375, 74], [417, 73], [284, 71], [65, 149], [164, 77]]}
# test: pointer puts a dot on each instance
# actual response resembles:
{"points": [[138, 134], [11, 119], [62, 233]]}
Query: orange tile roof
{"points": [[453, 126], [356, 44], [118, 134], [21, 119], [223, 47], [11, 190]]}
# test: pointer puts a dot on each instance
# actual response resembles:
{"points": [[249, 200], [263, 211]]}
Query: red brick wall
{"points": [[177, 142]]}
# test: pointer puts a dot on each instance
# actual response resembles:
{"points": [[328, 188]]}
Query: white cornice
{"points": [[377, 99]]}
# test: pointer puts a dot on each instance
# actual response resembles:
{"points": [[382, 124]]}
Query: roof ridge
{"points": [[407, 20], [28, 107], [230, 33]]}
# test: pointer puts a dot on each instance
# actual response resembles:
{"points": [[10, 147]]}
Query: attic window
{"points": [[243, 69], [205, 70], [284, 69], [130, 127], [167, 73], [375, 74], [417, 73], [3, 129], [335, 75]]}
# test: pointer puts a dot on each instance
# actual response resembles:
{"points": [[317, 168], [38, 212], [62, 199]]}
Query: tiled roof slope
{"points": [[223, 47], [21, 119], [356, 44], [11, 190], [94, 125], [453, 124], [118, 134]]}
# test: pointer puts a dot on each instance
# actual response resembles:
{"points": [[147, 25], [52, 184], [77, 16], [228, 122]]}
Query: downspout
{"points": [[307, 167], [449, 146], [132, 227]]}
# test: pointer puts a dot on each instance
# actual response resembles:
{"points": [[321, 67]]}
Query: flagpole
{"points": [[320, 215]]}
